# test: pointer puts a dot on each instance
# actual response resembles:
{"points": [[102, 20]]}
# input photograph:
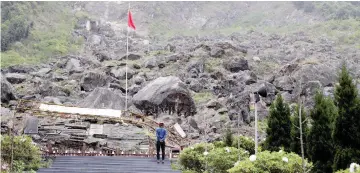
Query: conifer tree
{"points": [[295, 144], [320, 144], [346, 133], [279, 126]]}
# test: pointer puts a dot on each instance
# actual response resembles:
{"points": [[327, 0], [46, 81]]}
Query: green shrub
{"points": [[228, 137], [220, 160], [192, 158], [246, 143], [26, 155], [271, 162]]}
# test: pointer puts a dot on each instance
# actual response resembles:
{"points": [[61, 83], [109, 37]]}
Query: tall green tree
{"points": [[279, 126], [320, 145], [346, 133], [295, 144]]}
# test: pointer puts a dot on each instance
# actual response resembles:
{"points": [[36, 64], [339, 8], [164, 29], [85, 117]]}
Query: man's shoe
{"points": [[162, 162], [158, 161]]}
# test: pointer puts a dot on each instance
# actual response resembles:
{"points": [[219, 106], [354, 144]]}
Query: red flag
{"points": [[130, 22]]}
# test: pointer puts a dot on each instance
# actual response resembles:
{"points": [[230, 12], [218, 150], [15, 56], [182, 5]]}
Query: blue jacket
{"points": [[160, 134]]}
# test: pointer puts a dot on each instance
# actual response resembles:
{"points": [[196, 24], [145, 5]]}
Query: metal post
{"points": [[256, 129], [126, 74], [238, 135], [301, 136]]}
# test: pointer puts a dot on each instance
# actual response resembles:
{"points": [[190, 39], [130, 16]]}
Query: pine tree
{"points": [[346, 133], [279, 126], [320, 145], [228, 137], [295, 144]]}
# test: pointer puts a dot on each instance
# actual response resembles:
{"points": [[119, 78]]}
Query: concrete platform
{"points": [[107, 164]]}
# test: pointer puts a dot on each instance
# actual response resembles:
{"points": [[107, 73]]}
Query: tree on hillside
{"points": [[279, 126], [295, 144], [319, 144], [346, 133]]}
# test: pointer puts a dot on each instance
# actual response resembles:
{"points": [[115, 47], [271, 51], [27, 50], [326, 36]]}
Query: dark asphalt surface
{"points": [[107, 164]]}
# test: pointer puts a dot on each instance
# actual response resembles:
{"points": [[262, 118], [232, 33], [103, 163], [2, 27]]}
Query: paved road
{"points": [[107, 164]]}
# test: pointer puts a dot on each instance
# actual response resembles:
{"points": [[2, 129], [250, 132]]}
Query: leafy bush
{"points": [[228, 137], [271, 162], [246, 143], [192, 158], [26, 155], [220, 160]]}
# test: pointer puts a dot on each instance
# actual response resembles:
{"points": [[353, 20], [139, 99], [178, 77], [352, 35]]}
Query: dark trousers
{"points": [[158, 146]]}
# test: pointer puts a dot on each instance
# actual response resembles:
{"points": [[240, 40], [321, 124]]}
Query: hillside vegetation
{"points": [[32, 32]]}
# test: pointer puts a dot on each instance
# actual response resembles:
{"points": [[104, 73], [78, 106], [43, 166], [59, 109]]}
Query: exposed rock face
{"points": [[237, 64], [92, 80], [7, 91], [15, 78], [165, 94], [104, 98]]}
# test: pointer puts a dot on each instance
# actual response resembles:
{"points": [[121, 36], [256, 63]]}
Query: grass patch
{"points": [[202, 97], [50, 35], [212, 64]]}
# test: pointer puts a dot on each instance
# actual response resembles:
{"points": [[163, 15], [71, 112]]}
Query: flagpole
{"points": [[127, 54]]}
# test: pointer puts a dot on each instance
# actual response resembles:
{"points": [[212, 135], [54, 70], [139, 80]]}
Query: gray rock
{"points": [[311, 88], [329, 91], [284, 83], [217, 52], [138, 80], [20, 69], [151, 63], [163, 94], [235, 65], [42, 72], [248, 77], [92, 80], [73, 65], [103, 56], [136, 66], [58, 78], [49, 99], [288, 98], [131, 57], [213, 104], [193, 123], [15, 78], [134, 89], [117, 86], [7, 91], [196, 66], [48, 88], [120, 73], [95, 39], [195, 85], [104, 98]]}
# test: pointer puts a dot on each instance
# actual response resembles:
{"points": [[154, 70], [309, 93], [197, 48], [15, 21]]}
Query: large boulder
{"points": [[92, 80], [48, 88], [237, 64], [104, 98], [165, 94], [15, 78], [7, 91], [20, 69]]}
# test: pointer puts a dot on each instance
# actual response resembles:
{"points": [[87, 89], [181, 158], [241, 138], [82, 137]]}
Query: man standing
{"points": [[160, 143]]}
